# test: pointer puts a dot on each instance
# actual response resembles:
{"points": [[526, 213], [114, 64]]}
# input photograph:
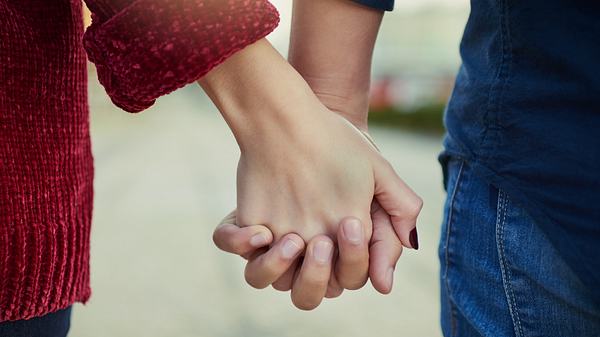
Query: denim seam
{"points": [[504, 268], [498, 86], [447, 244]]}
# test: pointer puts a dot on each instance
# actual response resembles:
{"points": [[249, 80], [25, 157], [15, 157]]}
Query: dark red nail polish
{"points": [[414, 239]]}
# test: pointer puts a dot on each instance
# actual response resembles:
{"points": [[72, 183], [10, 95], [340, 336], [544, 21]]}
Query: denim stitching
{"points": [[447, 262], [498, 87], [506, 276]]}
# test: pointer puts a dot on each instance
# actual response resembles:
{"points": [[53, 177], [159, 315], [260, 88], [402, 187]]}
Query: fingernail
{"points": [[259, 240], [289, 249], [414, 239], [353, 231], [389, 277], [322, 251]]}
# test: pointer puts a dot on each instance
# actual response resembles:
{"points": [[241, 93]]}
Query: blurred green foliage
{"points": [[427, 118]]}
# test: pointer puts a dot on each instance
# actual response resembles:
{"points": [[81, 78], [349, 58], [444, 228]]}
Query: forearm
{"points": [[331, 46], [259, 94], [145, 49]]}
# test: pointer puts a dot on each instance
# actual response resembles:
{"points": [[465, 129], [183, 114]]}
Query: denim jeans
{"points": [[500, 276], [55, 324]]}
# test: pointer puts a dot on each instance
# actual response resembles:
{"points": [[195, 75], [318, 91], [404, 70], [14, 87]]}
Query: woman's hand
{"points": [[305, 178], [302, 169]]}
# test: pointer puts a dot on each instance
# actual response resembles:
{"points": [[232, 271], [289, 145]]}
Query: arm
{"points": [[299, 171], [331, 46], [260, 95], [303, 170], [143, 49], [285, 133]]}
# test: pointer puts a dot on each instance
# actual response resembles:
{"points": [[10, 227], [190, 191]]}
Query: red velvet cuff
{"points": [[151, 48]]}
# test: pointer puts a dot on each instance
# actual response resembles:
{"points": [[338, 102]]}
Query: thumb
{"points": [[384, 251], [400, 202]]}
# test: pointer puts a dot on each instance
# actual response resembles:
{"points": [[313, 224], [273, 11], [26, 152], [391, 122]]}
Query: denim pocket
{"points": [[473, 298], [544, 296], [499, 274]]}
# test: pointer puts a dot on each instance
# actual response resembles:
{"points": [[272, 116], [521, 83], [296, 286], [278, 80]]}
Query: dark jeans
{"points": [[501, 276], [55, 324]]}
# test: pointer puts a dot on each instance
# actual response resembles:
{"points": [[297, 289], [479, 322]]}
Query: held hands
{"points": [[307, 277], [318, 191], [309, 184]]}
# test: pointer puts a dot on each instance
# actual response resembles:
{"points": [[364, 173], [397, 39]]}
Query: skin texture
{"points": [[304, 170], [334, 57], [331, 46]]}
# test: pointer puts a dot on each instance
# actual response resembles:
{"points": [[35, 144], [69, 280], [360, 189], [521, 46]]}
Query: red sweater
{"points": [[142, 49]]}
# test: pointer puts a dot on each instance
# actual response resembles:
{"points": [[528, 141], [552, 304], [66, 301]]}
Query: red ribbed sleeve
{"points": [[45, 159], [147, 48], [142, 49]]}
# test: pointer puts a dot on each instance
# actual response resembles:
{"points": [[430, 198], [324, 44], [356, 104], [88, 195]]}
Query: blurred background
{"points": [[166, 177]]}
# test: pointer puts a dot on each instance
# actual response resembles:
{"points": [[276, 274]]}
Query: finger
{"points": [[385, 250], [255, 253], [311, 282], [400, 202], [284, 283], [240, 240], [265, 269], [352, 265], [334, 289]]}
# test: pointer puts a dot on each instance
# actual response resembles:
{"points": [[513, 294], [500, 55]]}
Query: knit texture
{"points": [[142, 49], [150, 48]]}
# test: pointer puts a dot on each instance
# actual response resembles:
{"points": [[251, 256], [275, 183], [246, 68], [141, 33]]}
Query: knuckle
{"points": [[354, 259], [270, 268], [415, 206], [316, 280]]}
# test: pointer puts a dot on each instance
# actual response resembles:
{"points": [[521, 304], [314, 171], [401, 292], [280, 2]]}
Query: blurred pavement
{"points": [[164, 178]]}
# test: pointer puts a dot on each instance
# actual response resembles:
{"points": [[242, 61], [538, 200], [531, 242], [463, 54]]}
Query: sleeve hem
{"points": [[152, 48]]}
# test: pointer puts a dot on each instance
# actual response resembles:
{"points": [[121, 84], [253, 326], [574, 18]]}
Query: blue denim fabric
{"points": [[55, 324], [385, 5], [500, 275], [525, 112]]}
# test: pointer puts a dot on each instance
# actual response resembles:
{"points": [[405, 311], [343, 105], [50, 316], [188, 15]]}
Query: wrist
{"points": [[350, 100], [259, 94], [331, 46]]}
